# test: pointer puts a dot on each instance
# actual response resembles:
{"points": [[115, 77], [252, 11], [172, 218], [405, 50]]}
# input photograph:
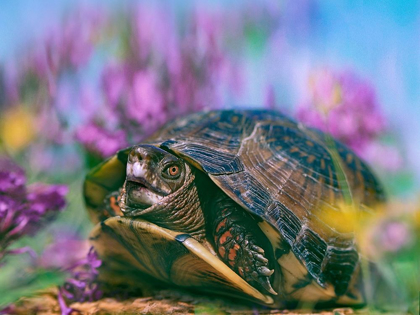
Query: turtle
{"points": [[239, 203]]}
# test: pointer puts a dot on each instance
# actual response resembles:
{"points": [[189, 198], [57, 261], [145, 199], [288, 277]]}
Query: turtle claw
{"points": [[261, 273], [257, 249], [261, 258], [265, 283], [264, 271]]}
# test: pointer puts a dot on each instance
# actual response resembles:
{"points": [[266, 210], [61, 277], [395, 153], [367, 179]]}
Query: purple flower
{"points": [[83, 284], [23, 210], [64, 48], [345, 106], [66, 250], [375, 152], [44, 197], [10, 309], [12, 178], [101, 141], [394, 236], [49, 125], [73, 42], [10, 222], [65, 310], [114, 82], [145, 103], [152, 31], [168, 70]]}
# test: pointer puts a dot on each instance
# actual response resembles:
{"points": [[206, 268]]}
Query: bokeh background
{"points": [[82, 79]]}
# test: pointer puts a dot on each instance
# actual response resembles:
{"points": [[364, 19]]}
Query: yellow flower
{"points": [[346, 218], [17, 128]]}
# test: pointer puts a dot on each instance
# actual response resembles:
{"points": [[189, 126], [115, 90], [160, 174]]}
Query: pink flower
{"points": [[24, 210], [63, 253], [83, 285], [144, 102], [345, 106], [114, 83], [154, 33], [394, 236], [100, 140], [385, 156]]}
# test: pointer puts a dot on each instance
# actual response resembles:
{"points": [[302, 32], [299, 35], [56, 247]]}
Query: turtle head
{"points": [[156, 188], [152, 174]]}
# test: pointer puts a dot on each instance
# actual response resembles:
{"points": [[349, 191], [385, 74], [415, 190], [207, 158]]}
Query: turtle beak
{"points": [[140, 191], [140, 196]]}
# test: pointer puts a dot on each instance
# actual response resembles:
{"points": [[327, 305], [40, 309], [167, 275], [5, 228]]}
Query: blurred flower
{"points": [[345, 106], [326, 91], [114, 82], [12, 178], [345, 218], [65, 251], [65, 310], [24, 210], [68, 45], [101, 141], [82, 286], [17, 128], [153, 33], [10, 309], [393, 236], [384, 236], [379, 231], [49, 127], [386, 157], [42, 198], [145, 104], [388, 230], [176, 71]]}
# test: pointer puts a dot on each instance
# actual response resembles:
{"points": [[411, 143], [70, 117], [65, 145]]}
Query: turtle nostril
{"points": [[135, 156]]}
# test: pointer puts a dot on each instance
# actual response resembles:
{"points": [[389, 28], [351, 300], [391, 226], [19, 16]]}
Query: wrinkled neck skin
{"points": [[180, 211]]}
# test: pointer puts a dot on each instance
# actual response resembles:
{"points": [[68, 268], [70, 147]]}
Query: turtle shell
{"points": [[292, 177]]}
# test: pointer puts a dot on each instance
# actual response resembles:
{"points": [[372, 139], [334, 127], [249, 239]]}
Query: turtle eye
{"points": [[172, 171]]}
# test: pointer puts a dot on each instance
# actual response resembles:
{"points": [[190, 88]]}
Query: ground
{"points": [[165, 302]]}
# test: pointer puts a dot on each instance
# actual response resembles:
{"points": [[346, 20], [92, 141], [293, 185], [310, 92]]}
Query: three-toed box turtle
{"points": [[235, 202]]}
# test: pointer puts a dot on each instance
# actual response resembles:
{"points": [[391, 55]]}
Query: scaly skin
{"points": [[238, 242]]}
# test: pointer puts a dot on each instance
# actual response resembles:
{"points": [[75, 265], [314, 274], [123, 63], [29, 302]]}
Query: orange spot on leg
{"points": [[221, 225], [114, 205], [224, 237], [232, 253]]}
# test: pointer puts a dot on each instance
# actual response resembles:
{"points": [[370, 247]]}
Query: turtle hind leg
{"points": [[239, 243]]}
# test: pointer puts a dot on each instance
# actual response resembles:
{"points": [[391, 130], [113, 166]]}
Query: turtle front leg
{"points": [[238, 242]]}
